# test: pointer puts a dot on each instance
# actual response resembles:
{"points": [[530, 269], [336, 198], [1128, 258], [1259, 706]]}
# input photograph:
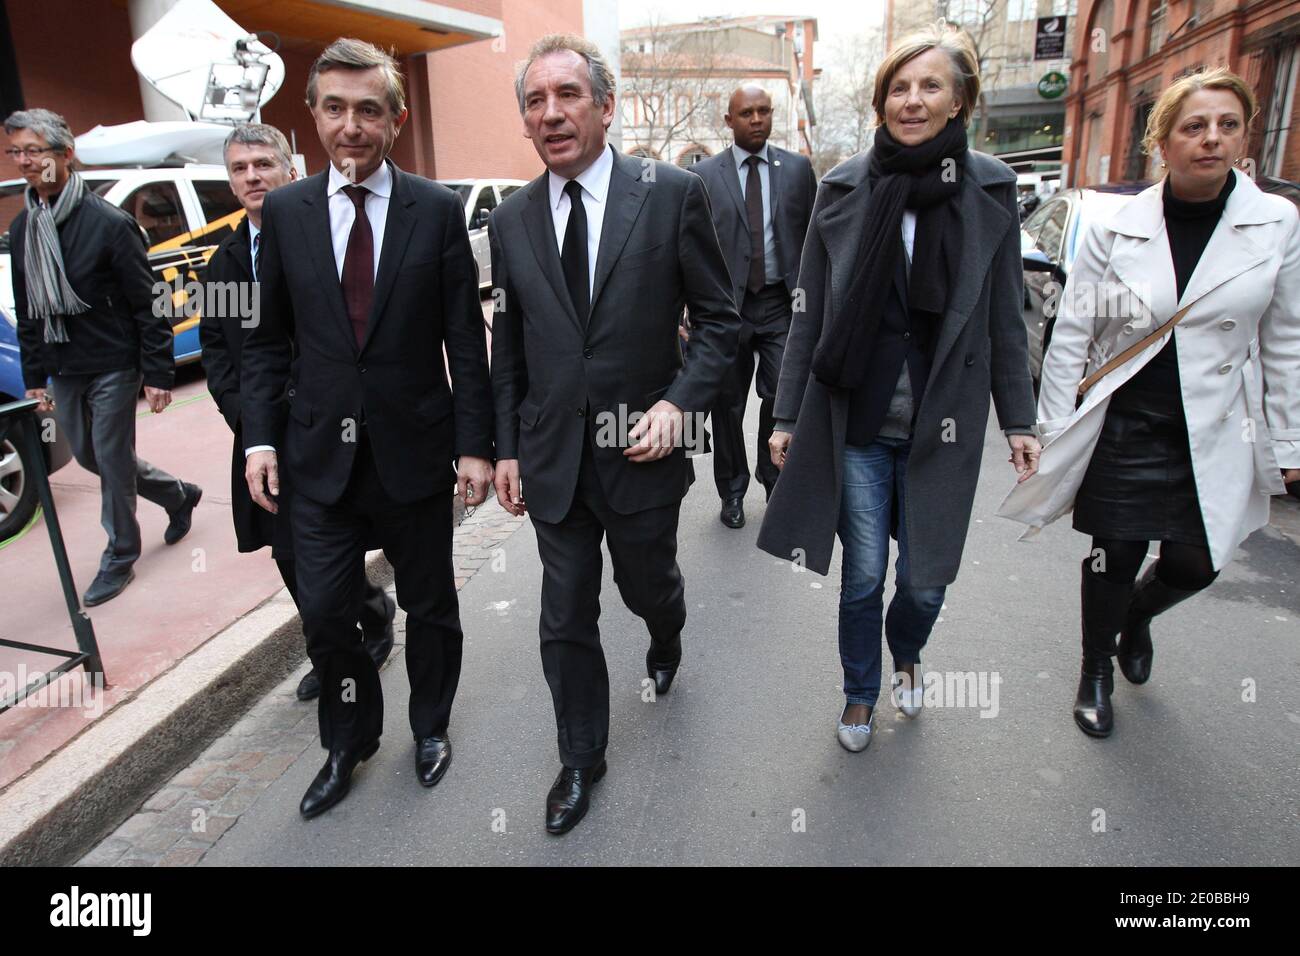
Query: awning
{"points": [[408, 26]]}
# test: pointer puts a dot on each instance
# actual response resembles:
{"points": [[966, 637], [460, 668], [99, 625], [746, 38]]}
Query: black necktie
{"points": [[573, 256], [754, 213]]}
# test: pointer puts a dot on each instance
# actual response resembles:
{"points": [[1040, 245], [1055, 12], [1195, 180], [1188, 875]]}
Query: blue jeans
{"points": [[874, 478]]}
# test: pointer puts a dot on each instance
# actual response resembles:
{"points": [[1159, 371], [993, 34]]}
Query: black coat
{"points": [[794, 190], [222, 338], [107, 265], [425, 300], [658, 252]]}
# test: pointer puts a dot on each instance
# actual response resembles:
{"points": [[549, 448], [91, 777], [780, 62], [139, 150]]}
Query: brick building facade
{"points": [[1128, 51]]}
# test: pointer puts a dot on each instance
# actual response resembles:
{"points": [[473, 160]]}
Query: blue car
{"points": [[18, 498]]}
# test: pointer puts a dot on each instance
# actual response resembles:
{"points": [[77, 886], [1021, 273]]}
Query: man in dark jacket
{"points": [[83, 292], [761, 199], [258, 161]]}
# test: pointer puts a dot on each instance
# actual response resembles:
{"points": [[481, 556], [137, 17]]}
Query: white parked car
{"points": [[480, 197]]}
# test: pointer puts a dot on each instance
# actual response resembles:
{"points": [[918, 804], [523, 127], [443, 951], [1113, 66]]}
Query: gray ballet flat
{"points": [[909, 699], [855, 738]]}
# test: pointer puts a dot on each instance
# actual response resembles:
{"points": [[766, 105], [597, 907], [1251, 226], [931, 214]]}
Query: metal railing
{"points": [[19, 424]]}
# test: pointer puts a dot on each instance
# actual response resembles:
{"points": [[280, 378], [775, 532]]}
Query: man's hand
{"points": [[158, 398], [45, 398], [1025, 450], [262, 472], [778, 445], [657, 433], [473, 479], [509, 492], [1288, 474], [683, 333]]}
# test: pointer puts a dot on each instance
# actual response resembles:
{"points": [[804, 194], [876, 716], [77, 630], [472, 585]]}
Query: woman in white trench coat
{"points": [[1184, 442]]}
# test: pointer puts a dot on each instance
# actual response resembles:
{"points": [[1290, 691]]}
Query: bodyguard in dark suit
{"points": [[367, 276], [762, 198], [257, 161], [593, 263]]}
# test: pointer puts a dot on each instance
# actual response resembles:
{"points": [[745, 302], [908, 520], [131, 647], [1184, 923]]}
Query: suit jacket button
{"points": [[1225, 369], [970, 359], [582, 413], [587, 353], [1228, 325], [363, 370], [291, 393]]}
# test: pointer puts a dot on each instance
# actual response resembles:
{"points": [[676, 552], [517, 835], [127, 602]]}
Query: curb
{"points": [[82, 793]]}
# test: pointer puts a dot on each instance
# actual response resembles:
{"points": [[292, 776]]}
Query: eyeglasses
{"points": [[31, 152]]}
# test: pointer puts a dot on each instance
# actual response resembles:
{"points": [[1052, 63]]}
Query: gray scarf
{"points": [[49, 296]]}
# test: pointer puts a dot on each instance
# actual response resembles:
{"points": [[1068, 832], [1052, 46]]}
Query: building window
{"points": [[692, 155], [1135, 163], [1156, 28], [1278, 109], [969, 13], [1020, 10], [1099, 39]]}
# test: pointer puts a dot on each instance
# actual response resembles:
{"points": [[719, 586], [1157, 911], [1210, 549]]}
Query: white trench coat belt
{"points": [[1238, 357]]}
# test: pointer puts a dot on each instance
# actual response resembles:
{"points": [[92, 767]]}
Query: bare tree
{"points": [[845, 117], [982, 20], [672, 75]]}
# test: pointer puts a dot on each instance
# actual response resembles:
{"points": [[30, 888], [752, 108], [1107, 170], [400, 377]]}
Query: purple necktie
{"points": [[359, 266]]}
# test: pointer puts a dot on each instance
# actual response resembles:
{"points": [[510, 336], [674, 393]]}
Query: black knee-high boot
{"points": [[1151, 597], [1103, 603]]}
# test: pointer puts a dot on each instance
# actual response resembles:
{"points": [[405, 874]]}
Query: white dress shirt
{"points": [[342, 214], [594, 181], [770, 270]]}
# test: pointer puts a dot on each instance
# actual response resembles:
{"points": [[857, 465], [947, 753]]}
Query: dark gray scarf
{"points": [[49, 296]]}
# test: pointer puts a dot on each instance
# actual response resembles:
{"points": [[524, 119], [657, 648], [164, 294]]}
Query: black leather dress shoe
{"points": [[181, 519], [334, 779], [660, 671], [106, 586], [309, 686], [432, 758], [379, 640], [733, 512], [570, 796]]}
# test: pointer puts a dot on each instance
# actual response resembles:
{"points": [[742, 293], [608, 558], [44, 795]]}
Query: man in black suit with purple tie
{"points": [[367, 279]]}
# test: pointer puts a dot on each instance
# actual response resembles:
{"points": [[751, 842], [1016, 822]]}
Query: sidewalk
{"points": [[180, 598], [739, 763]]}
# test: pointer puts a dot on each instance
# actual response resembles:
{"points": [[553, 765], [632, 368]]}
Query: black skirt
{"points": [[1139, 485]]}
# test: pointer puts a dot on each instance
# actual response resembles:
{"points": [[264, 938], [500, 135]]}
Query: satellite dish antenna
{"points": [[203, 61]]}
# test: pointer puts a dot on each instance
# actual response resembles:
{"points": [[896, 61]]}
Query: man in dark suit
{"points": [[593, 263], [367, 272], [762, 198], [258, 161]]}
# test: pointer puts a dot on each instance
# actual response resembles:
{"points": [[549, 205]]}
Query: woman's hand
{"points": [[1290, 474], [778, 445], [1025, 450]]}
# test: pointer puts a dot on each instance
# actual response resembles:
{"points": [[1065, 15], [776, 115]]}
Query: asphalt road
{"points": [[739, 763]]}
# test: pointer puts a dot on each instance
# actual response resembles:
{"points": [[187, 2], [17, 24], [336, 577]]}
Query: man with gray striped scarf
{"points": [[83, 293]]}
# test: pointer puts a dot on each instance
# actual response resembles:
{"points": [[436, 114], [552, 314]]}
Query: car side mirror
{"points": [[481, 221]]}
